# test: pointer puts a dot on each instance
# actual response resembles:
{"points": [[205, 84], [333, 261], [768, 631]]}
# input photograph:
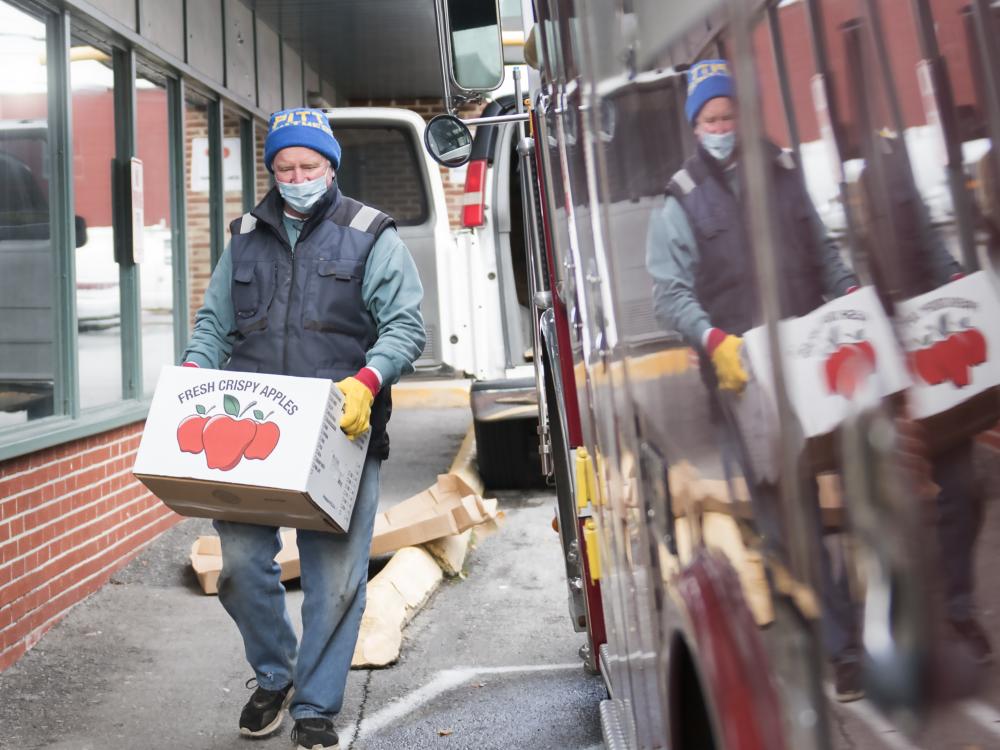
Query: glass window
{"points": [[378, 166], [27, 297], [232, 172], [199, 237], [98, 296], [262, 181], [157, 267]]}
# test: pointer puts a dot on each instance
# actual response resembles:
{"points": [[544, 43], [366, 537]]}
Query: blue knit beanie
{"points": [[300, 127], [706, 80]]}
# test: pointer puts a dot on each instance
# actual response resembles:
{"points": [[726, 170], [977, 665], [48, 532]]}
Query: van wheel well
{"points": [[690, 724]]}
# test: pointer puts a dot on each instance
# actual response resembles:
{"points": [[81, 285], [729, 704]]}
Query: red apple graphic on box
{"points": [[264, 440], [189, 431], [227, 436], [975, 345], [927, 366], [950, 357], [849, 365]]}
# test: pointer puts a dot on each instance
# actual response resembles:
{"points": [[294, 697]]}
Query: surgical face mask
{"points": [[719, 145], [302, 196]]}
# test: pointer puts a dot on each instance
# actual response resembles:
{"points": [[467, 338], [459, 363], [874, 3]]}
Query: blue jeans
{"points": [[334, 576], [960, 515]]}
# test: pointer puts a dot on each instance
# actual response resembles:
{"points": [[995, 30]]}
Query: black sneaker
{"points": [[847, 685], [972, 634], [314, 734], [264, 711]]}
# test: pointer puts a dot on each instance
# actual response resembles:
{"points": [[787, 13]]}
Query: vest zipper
{"points": [[288, 312]]}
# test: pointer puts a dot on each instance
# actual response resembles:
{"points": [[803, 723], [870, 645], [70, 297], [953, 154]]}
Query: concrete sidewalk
{"points": [[151, 662]]}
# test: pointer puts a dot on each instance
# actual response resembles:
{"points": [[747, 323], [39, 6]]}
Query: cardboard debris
{"points": [[206, 560], [448, 507], [442, 517]]}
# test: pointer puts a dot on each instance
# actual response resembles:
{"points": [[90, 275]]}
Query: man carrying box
{"points": [[312, 284], [699, 254]]}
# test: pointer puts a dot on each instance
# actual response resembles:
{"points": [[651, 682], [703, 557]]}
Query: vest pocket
{"points": [[253, 288], [333, 297]]}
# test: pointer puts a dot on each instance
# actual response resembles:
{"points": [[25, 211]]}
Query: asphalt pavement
{"points": [[490, 662]]}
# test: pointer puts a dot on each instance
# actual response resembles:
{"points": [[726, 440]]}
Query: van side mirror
{"points": [[469, 34], [448, 141]]}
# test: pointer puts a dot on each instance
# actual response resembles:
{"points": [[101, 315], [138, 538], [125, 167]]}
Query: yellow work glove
{"points": [[728, 368], [357, 406]]}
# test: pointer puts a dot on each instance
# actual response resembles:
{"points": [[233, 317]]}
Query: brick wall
{"points": [[453, 179], [71, 516]]}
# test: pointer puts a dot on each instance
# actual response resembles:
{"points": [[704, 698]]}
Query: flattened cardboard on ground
{"points": [[448, 507], [201, 456], [206, 560]]}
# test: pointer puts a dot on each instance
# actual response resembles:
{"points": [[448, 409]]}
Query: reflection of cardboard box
{"points": [[952, 339], [826, 357], [448, 507], [206, 560], [264, 449]]}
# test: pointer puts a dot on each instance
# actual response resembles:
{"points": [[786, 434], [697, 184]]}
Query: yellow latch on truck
{"points": [[593, 552]]}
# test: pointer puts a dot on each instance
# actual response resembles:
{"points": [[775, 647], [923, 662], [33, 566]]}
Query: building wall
{"points": [[72, 516]]}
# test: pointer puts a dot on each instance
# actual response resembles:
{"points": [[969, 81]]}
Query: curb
{"points": [[431, 394]]}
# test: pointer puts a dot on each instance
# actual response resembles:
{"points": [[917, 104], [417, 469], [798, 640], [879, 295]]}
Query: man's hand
{"points": [[724, 349], [358, 399]]}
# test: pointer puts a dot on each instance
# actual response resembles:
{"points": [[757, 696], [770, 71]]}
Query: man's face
{"points": [[300, 164], [717, 117]]}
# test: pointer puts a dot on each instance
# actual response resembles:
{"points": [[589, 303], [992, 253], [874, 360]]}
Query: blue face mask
{"points": [[719, 145], [302, 196]]}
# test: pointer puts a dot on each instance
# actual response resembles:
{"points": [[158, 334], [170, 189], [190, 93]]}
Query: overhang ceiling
{"points": [[366, 48]]}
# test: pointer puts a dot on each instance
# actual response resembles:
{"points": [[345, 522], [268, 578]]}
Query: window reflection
{"points": [[232, 167], [98, 296], [27, 316], [198, 230], [157, 267]]}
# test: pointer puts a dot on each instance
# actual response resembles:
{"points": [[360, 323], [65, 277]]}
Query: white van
{"points": [[384, 165]]}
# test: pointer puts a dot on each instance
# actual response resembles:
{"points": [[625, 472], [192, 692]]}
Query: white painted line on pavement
{"points": [[985, 715], [445, 680], [878, 724]]}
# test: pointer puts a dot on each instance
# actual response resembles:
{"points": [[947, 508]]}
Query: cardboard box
{"points": [[951, 337], [850, 334], [264, 449]]}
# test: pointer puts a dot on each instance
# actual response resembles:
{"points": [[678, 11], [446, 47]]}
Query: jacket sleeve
{"points": [[215, 323], [392, 293], [671, 257]]}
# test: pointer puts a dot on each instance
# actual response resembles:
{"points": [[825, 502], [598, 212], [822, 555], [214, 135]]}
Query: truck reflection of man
{"points": [[698, 252], [917, 262]]}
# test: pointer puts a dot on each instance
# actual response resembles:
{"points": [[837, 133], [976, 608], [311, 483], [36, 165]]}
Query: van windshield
{"points": [[379, 167]]}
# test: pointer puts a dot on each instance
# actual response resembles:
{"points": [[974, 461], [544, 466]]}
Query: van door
{"points": [[384, 166]]}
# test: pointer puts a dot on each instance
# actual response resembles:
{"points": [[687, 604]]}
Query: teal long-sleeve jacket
{"points": [[391, 291]]}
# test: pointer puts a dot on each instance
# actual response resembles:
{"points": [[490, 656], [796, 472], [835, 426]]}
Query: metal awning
{"points": [[368, 49]]}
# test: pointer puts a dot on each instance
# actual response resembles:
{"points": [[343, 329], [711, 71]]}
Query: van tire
{"points": [[507, 454]]}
